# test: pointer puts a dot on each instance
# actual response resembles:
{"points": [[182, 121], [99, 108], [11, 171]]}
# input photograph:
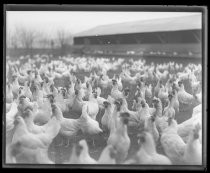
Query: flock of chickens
{"points": [[46, 98]]}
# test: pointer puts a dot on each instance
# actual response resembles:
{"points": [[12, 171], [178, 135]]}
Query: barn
{"points": [[174, 37]]}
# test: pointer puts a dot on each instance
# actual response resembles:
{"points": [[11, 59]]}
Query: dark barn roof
{"points": [[144, 26]]}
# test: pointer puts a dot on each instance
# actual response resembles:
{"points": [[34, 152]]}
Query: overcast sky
{"points": [[74, 22]]}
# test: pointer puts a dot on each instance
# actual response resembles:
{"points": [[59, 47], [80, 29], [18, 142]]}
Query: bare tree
{"points": [[44, 41], [63, 40], [12, 39], [27, 38]]}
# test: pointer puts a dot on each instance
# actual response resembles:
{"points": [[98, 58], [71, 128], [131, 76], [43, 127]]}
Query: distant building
{"points": [[178, 36]]}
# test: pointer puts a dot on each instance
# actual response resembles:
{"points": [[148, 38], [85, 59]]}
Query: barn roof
{"points": [[143, 26]]}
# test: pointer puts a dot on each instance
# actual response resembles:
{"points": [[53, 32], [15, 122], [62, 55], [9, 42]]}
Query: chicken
{"points": [[99, 99], [130, 79], [176, 101], [169, 83], [150, 126], [33, 140], [141, 90], [37, 93], [54, 90], [8, 106], [26, 90], [24, 137], [193, 150], [70, 90], [148, 91], [183, 75], [9, 94], [194, 82], [185, 128], [163, 94], [169, 110], [173, 145], [119, 138], [157, 87], [23, 102], [87, 124], [20, 154], [104, 83], [46, 86], [60, 101], [77, 102], [37, 78], [144, 113], [43, 114], [93, 107], [115, 93], [160, 120], [183, 96], [107, 116], [147, 153], [23, 78], [162, 76], [107, 155], [36, 129], [69, 127], [15, 86], [80, 154], [10, 118], [88, 90], [134, 117]]}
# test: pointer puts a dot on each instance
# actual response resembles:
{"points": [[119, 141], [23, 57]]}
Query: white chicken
{"points": [[147, 154], [193, 151], [185, 128], [80, 154], [9, 94], [107, 116], [93, 107], [183, 96], [169, 110], [87, 124], [69, 127], [115, 93], [119, 138], [150, 126], [107, 155], [173, 145]]}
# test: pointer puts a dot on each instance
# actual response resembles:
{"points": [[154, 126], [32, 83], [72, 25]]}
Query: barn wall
{"points": [[188, 36], [169, 49]]}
